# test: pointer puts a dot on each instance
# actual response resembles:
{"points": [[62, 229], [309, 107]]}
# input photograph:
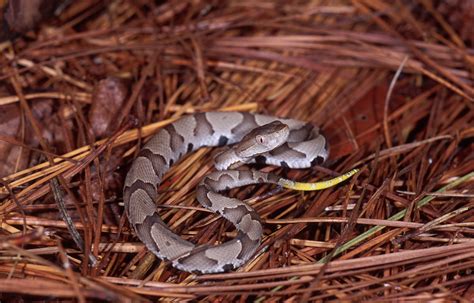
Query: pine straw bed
{"points": [[390, 85]]}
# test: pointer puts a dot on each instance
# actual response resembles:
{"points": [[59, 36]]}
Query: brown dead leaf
{"points": [[107, 100]]}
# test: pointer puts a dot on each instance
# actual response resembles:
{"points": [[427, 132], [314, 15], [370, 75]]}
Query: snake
{"points": [[256, 138]]}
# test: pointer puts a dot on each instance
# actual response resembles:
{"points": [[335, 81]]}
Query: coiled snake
{"points": [[260, 138]]}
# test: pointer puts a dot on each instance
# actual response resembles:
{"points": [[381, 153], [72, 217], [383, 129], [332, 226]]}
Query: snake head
{"points": [[263, 139]]}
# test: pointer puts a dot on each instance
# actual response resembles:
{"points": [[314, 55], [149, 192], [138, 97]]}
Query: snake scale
{"points": [[263, 139]]}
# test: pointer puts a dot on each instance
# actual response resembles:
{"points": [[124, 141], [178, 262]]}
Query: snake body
{"points": [[304, 147]]}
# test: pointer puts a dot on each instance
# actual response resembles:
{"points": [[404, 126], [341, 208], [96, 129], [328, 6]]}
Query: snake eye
{"points": [[260, 139]]}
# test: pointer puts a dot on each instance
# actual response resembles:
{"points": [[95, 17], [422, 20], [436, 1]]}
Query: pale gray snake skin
{"points": [[305, 146]]}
